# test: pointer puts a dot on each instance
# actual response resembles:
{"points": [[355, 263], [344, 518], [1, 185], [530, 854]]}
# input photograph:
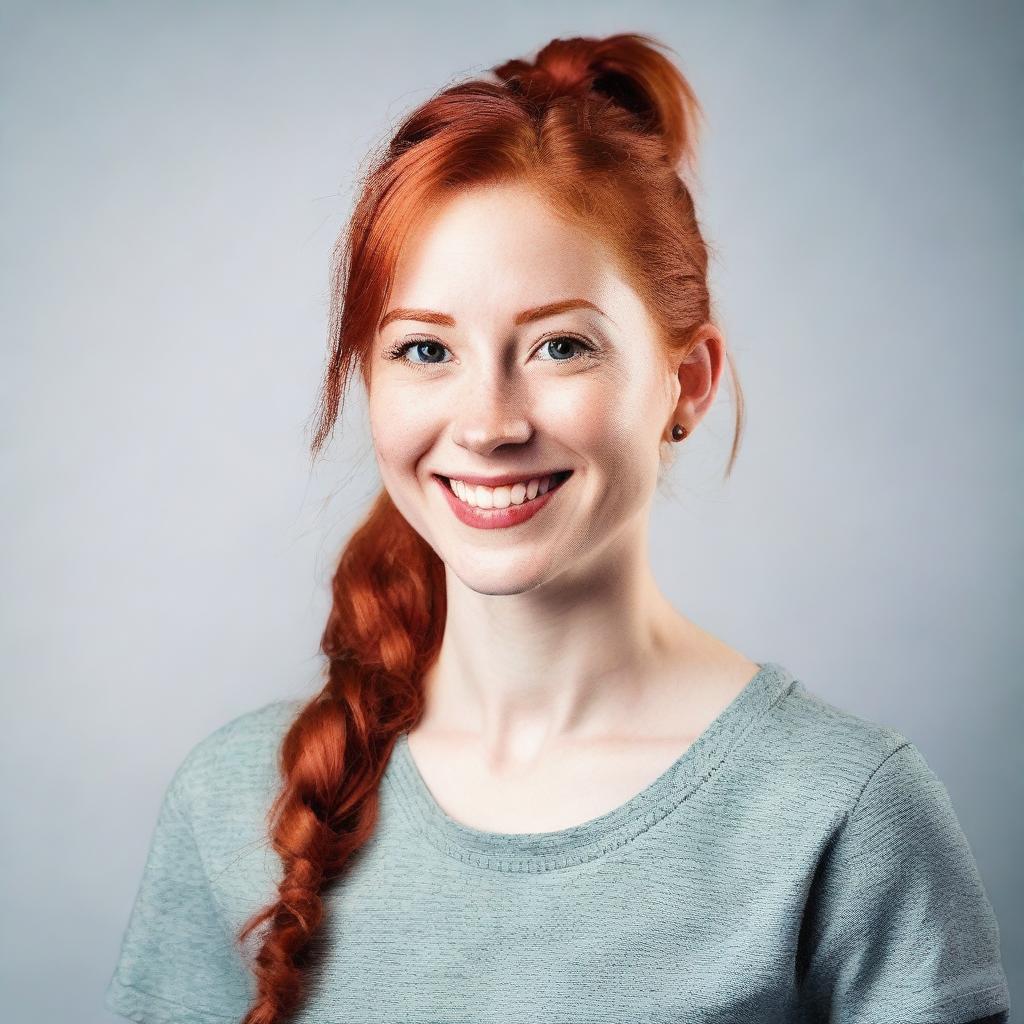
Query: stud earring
{"points": [[678, 432]]}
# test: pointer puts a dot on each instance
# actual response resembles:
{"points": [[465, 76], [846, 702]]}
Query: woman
{"points": [[531, 790]]}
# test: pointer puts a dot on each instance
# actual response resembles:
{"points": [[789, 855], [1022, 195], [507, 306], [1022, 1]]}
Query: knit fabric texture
{"points": [[796, 863]]}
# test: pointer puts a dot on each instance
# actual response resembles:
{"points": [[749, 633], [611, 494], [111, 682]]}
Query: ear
{"points": [[697, 372]]}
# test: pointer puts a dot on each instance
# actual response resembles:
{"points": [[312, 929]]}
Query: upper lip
{"points": [[507, 478]]}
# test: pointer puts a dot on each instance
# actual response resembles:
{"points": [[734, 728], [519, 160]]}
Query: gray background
{"points": [[173, 179]]}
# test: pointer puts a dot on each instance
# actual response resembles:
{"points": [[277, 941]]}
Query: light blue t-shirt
{"points": [[796, 863]]}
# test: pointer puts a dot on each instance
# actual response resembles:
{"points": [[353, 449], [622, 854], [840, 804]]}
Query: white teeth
{"points": [[479, 496]]}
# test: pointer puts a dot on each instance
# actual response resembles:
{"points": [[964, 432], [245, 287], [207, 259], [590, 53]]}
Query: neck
{"points": [[577, 658]]}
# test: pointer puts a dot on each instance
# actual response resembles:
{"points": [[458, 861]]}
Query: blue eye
{"points": [[399, 350], [561, 339], [435, 347]]}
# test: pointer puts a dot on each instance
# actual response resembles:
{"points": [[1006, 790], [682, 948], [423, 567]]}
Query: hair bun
{"points": [[561, 71], [628, 68]]}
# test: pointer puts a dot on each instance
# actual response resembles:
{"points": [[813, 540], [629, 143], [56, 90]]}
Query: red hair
{"points": [[600, 129]]}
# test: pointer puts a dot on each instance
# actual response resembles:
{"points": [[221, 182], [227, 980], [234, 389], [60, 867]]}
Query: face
{"points": [[472, 377]]}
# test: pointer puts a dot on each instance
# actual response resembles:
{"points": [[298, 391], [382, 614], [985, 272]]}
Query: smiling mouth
{"points": [[555, 480]]}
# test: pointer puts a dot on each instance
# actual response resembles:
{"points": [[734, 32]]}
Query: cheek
{"points": [[400, 427], [618, 427]]}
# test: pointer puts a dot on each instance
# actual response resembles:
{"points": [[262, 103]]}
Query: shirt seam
{"points": [[182, 810], [599, 848], [823, 952], [953, 1001], [881, 764]]}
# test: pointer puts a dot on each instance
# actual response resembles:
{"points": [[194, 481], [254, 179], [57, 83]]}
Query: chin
{"points": [[500, 581]]}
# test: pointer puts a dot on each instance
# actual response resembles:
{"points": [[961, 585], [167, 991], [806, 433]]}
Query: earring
{"points": [[678, 432]]}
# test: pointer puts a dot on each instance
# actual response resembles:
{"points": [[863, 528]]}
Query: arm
{"points": [[178, 962], [898, 921]]}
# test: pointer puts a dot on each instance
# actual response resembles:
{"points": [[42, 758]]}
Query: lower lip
{"points": [[496, 518]]}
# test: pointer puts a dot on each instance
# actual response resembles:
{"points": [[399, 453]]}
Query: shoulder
{"points": [[829, 755], [891, 875], [236, 760], [852, 793]]}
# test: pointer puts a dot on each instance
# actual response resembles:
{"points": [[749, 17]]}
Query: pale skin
{"points": [[566, 681]]}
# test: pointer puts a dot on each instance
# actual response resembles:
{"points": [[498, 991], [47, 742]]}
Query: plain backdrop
{"points": [[173, 179]]}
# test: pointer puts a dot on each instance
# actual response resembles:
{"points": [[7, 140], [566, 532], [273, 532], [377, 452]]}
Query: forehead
{"points": [[499, 249]]}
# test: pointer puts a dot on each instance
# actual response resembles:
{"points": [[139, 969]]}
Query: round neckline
{"points": [[546, 851]]}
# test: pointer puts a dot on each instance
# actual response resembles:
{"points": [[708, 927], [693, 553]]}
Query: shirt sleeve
{"points": [[902, 927], [178, 962]]}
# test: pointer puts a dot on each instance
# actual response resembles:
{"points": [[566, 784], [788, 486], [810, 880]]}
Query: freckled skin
{"points": [[494, 399], [555, 628]]}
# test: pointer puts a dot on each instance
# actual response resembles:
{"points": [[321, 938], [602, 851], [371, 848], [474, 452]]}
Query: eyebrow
{"points": [[429, 316]]}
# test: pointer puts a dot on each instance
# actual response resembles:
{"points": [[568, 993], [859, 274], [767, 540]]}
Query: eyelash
{"points": [[398, 351]]}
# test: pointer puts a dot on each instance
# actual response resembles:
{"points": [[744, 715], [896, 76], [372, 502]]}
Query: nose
{"points": [[491, 412]]}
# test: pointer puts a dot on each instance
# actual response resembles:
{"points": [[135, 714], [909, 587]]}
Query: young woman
{"points": [[530, 789]]}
